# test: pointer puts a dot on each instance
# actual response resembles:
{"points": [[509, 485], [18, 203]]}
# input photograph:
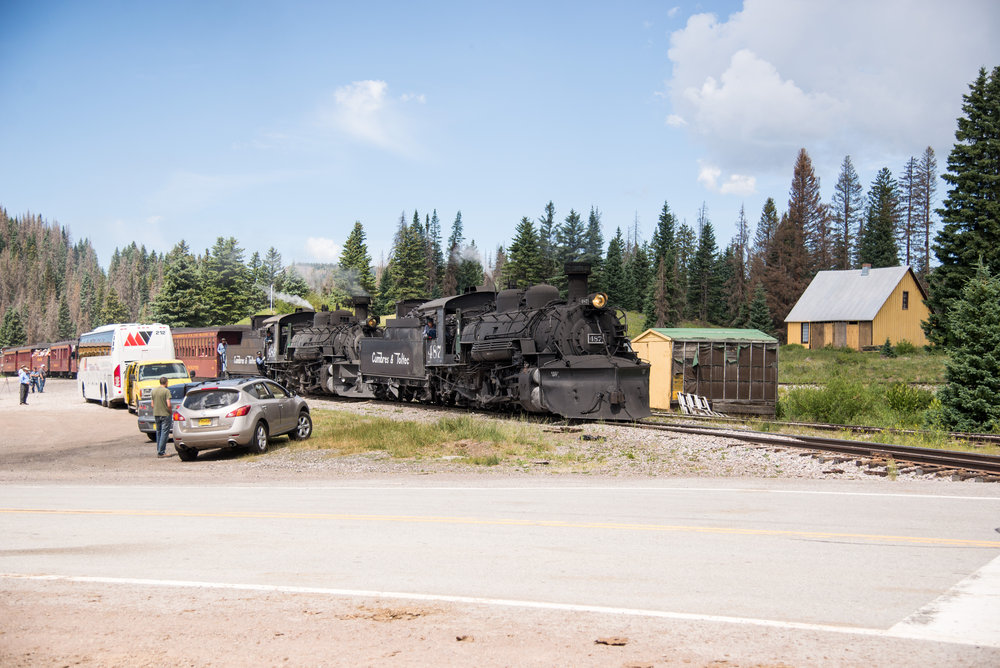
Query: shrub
{"points": [[906, 399], [840, 402], [886, 349], [904, 347]]}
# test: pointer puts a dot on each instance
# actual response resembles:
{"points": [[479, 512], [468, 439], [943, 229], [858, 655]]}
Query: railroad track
{"points": [[986, 439], [958, 464]]}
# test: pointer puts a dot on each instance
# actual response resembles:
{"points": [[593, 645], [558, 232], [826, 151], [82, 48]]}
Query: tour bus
{"points": [[103, 354]]}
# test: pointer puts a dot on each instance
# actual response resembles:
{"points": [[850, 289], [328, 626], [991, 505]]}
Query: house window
{"points": [[906, 300], [805, 333]]}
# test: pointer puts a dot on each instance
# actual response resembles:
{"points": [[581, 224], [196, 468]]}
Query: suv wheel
{"points": [[258, 444], [186, 454], [303, 428]]}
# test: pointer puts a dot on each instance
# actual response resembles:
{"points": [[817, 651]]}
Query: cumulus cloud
{"points": [[675, 121], [365, 112], [835, 76], [322, 250], [735, 184]]}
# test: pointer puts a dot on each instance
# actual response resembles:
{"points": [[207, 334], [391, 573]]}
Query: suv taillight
{"points": [[239, 412], [177, 417]]}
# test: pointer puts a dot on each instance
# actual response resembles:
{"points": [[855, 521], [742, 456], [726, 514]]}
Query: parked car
{"points": [[147, 424], [238, 413], [142, 376]]}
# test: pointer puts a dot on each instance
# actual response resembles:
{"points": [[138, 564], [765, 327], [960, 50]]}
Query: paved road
{"points": [[859, 559]]}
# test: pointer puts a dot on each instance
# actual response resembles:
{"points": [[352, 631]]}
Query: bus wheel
{"points": [[104, 396]]}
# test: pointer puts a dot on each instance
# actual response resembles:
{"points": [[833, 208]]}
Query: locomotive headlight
{"points": [[372, 321], [599, 300]]}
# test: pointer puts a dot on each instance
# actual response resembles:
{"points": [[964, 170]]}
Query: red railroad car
{"points": [[62, 359], [196, 347], [17, 356]]}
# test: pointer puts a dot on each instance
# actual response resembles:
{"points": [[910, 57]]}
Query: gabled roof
{"points": [[705, 334], [853, 294]]}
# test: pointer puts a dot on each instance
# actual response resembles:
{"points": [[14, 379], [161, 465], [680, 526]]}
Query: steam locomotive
{"points": [[526, 349]]}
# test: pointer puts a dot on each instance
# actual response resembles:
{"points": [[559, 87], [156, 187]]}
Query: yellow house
{"points": [[735, 369], [859, 308]]}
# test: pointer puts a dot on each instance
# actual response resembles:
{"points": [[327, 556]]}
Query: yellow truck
{"points": [[143, 375]]}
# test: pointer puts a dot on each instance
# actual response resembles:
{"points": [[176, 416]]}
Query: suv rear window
{"points": [[204, 399]]}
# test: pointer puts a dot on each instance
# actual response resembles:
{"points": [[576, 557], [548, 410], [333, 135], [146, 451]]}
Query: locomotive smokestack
{"points": [[361, 303], [576, 277]]}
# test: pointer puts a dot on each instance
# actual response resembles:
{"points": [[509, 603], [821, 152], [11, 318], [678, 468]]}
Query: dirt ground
{"points": [[59, 438]]}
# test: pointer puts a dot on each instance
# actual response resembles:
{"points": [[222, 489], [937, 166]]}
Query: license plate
{"points": [[204, 422]]}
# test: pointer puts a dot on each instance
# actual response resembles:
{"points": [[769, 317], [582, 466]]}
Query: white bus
{"points": [[103, 354]]}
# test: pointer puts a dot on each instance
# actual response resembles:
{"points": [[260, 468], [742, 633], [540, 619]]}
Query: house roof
{"points": [[847, 295], [705, 334]]}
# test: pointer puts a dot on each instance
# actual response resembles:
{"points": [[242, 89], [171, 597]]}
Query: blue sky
{"points": [[281, 123]]}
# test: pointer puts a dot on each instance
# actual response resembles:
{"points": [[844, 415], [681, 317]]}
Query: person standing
{"points": [[33, 378], [221, 350], [41, 378], [162, 415], [25, 380]]}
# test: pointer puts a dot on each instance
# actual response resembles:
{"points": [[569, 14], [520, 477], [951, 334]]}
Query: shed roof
{"points": [[706, 334], [846, 295]]}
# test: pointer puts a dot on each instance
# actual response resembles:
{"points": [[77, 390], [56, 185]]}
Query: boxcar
{"points": [[17, 356], [196, 347]]}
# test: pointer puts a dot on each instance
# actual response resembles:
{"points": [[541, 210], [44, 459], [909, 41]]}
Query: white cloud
{"points": [[365, 112], [735, 184], [834, 76], [322, 250], [675, 121]]}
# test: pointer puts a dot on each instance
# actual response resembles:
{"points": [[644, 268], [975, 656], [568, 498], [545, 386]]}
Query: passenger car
{"points": [[235, 413], [147, 424]]}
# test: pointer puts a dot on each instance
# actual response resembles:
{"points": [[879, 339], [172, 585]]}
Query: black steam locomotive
{"points": [[514, 348]]}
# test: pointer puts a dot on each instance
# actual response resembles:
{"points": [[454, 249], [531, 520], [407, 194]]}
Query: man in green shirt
{"points": [[162, 416]]}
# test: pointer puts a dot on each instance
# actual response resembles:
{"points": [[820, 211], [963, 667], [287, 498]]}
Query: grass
{"points": [[802, 366], [468, 439]]}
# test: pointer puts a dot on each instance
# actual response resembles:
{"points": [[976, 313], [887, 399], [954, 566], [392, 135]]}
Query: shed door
{"points": [[840, 334], [865, 334], [817, 336]]}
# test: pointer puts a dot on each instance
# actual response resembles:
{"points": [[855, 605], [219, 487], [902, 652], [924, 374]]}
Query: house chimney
{"points": [[576, 278], [865, 268]]}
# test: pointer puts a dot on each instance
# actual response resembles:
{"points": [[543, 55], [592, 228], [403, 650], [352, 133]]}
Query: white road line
{"points": [[472, 600], [549, 488], [969, 612]]}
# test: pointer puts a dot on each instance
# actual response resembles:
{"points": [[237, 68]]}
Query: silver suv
{"points": [[237, 413]]}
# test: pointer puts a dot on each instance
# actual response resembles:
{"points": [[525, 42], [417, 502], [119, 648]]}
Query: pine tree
{"points": [[736, 287], [546, 244], [807, 212], [970, 399], [570, 240], [593, 253], [449, 285], [908, 229], [355, 260], [759, 316], [226, 283], [181, 300], [522, 261], [971, 211], [877, 245], [66, 329], [846, 209], [114, 310], [614, 270], [12, 330], [639, 274], [470, 269], [702, 287], [927, 178]]}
